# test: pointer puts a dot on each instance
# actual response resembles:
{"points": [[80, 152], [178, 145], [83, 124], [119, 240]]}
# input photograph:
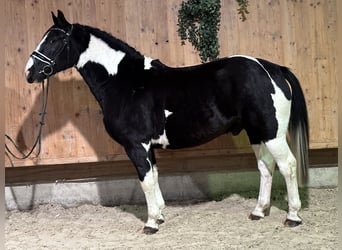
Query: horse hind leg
{"points": [[266, 165], [287, 165]]}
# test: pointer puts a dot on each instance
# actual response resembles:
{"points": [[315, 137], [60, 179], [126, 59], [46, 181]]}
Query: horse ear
{"points": [[54, 18], [60, 20]]}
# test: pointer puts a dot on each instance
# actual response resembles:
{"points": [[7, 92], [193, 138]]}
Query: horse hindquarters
{"points": [[286, 110]]}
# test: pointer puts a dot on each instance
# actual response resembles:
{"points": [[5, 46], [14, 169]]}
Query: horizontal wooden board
{"points": [[166, 166]]}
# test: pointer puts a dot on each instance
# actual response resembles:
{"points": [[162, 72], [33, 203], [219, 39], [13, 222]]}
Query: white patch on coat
{"points": [[41, 42], [281, 104], [248, 57], [29, 64], [100, 52], [146, 146], [167, 113], [30, 61], [283, 110], [147, 62], [162, 139]]}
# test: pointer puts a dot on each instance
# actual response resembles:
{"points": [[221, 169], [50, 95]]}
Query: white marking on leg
{"points": [[286, 162], [147, 147], [147, 62], [159, 197], [153, 195], [266, 167], [100, 52], [149, 187]]}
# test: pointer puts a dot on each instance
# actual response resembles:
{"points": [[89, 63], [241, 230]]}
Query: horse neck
{"points": [[106, 60]]}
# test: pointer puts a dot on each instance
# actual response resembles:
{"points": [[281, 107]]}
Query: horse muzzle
{"points": [[34, 74]]}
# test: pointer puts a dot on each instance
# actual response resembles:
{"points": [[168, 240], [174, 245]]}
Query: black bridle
{"points": [[47, 70]]}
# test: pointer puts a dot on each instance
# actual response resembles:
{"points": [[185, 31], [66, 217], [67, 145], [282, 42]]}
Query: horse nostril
{"points": [[29, 77], [29, 80]]}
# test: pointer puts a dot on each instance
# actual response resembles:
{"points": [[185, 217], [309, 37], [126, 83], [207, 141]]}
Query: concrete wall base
{"points": [[194, 186]]}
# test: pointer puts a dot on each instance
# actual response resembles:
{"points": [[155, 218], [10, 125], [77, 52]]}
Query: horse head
{"points": [[54, 53]]}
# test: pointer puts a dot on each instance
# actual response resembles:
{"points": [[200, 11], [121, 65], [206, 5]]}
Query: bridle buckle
{"points": [[47, 70]]}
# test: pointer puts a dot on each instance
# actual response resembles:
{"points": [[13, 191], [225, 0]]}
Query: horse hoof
{"points": [[254, 217], [292, 223], [150, 230]]}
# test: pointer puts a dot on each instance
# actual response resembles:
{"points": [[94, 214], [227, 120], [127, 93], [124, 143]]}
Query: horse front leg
{"points": [[158, 194], [155, 202], [143, 159]]}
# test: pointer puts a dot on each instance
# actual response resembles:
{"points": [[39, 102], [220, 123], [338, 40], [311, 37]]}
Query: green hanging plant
{"points": [[199, 23], [242, 10]]}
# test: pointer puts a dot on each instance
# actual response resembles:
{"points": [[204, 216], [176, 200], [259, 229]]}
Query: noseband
{"points": [[50, 63]]}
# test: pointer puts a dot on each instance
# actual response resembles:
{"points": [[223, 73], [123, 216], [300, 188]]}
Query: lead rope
{"points": [[38, 140]]}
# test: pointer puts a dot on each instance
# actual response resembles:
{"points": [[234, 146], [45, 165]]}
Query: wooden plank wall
{"points": [[299, 34]]}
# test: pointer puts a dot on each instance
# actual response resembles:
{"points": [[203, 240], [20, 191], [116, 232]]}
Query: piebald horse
{"points": [[147, 104]]}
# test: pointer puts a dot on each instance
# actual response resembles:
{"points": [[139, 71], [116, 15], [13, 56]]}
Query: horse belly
{"points": [[185, 130]]}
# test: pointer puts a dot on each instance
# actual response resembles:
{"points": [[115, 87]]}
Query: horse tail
{"points": [[298, 126]]}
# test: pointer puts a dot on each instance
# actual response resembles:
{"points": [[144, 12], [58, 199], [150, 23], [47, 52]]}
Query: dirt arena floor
{"points": [[192, 225]]}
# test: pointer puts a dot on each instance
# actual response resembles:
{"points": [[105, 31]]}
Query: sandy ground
{"points": [[196, 225]]}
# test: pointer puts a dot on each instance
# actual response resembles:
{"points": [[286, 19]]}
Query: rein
{"points": [[47, 70], [38, 141]]}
